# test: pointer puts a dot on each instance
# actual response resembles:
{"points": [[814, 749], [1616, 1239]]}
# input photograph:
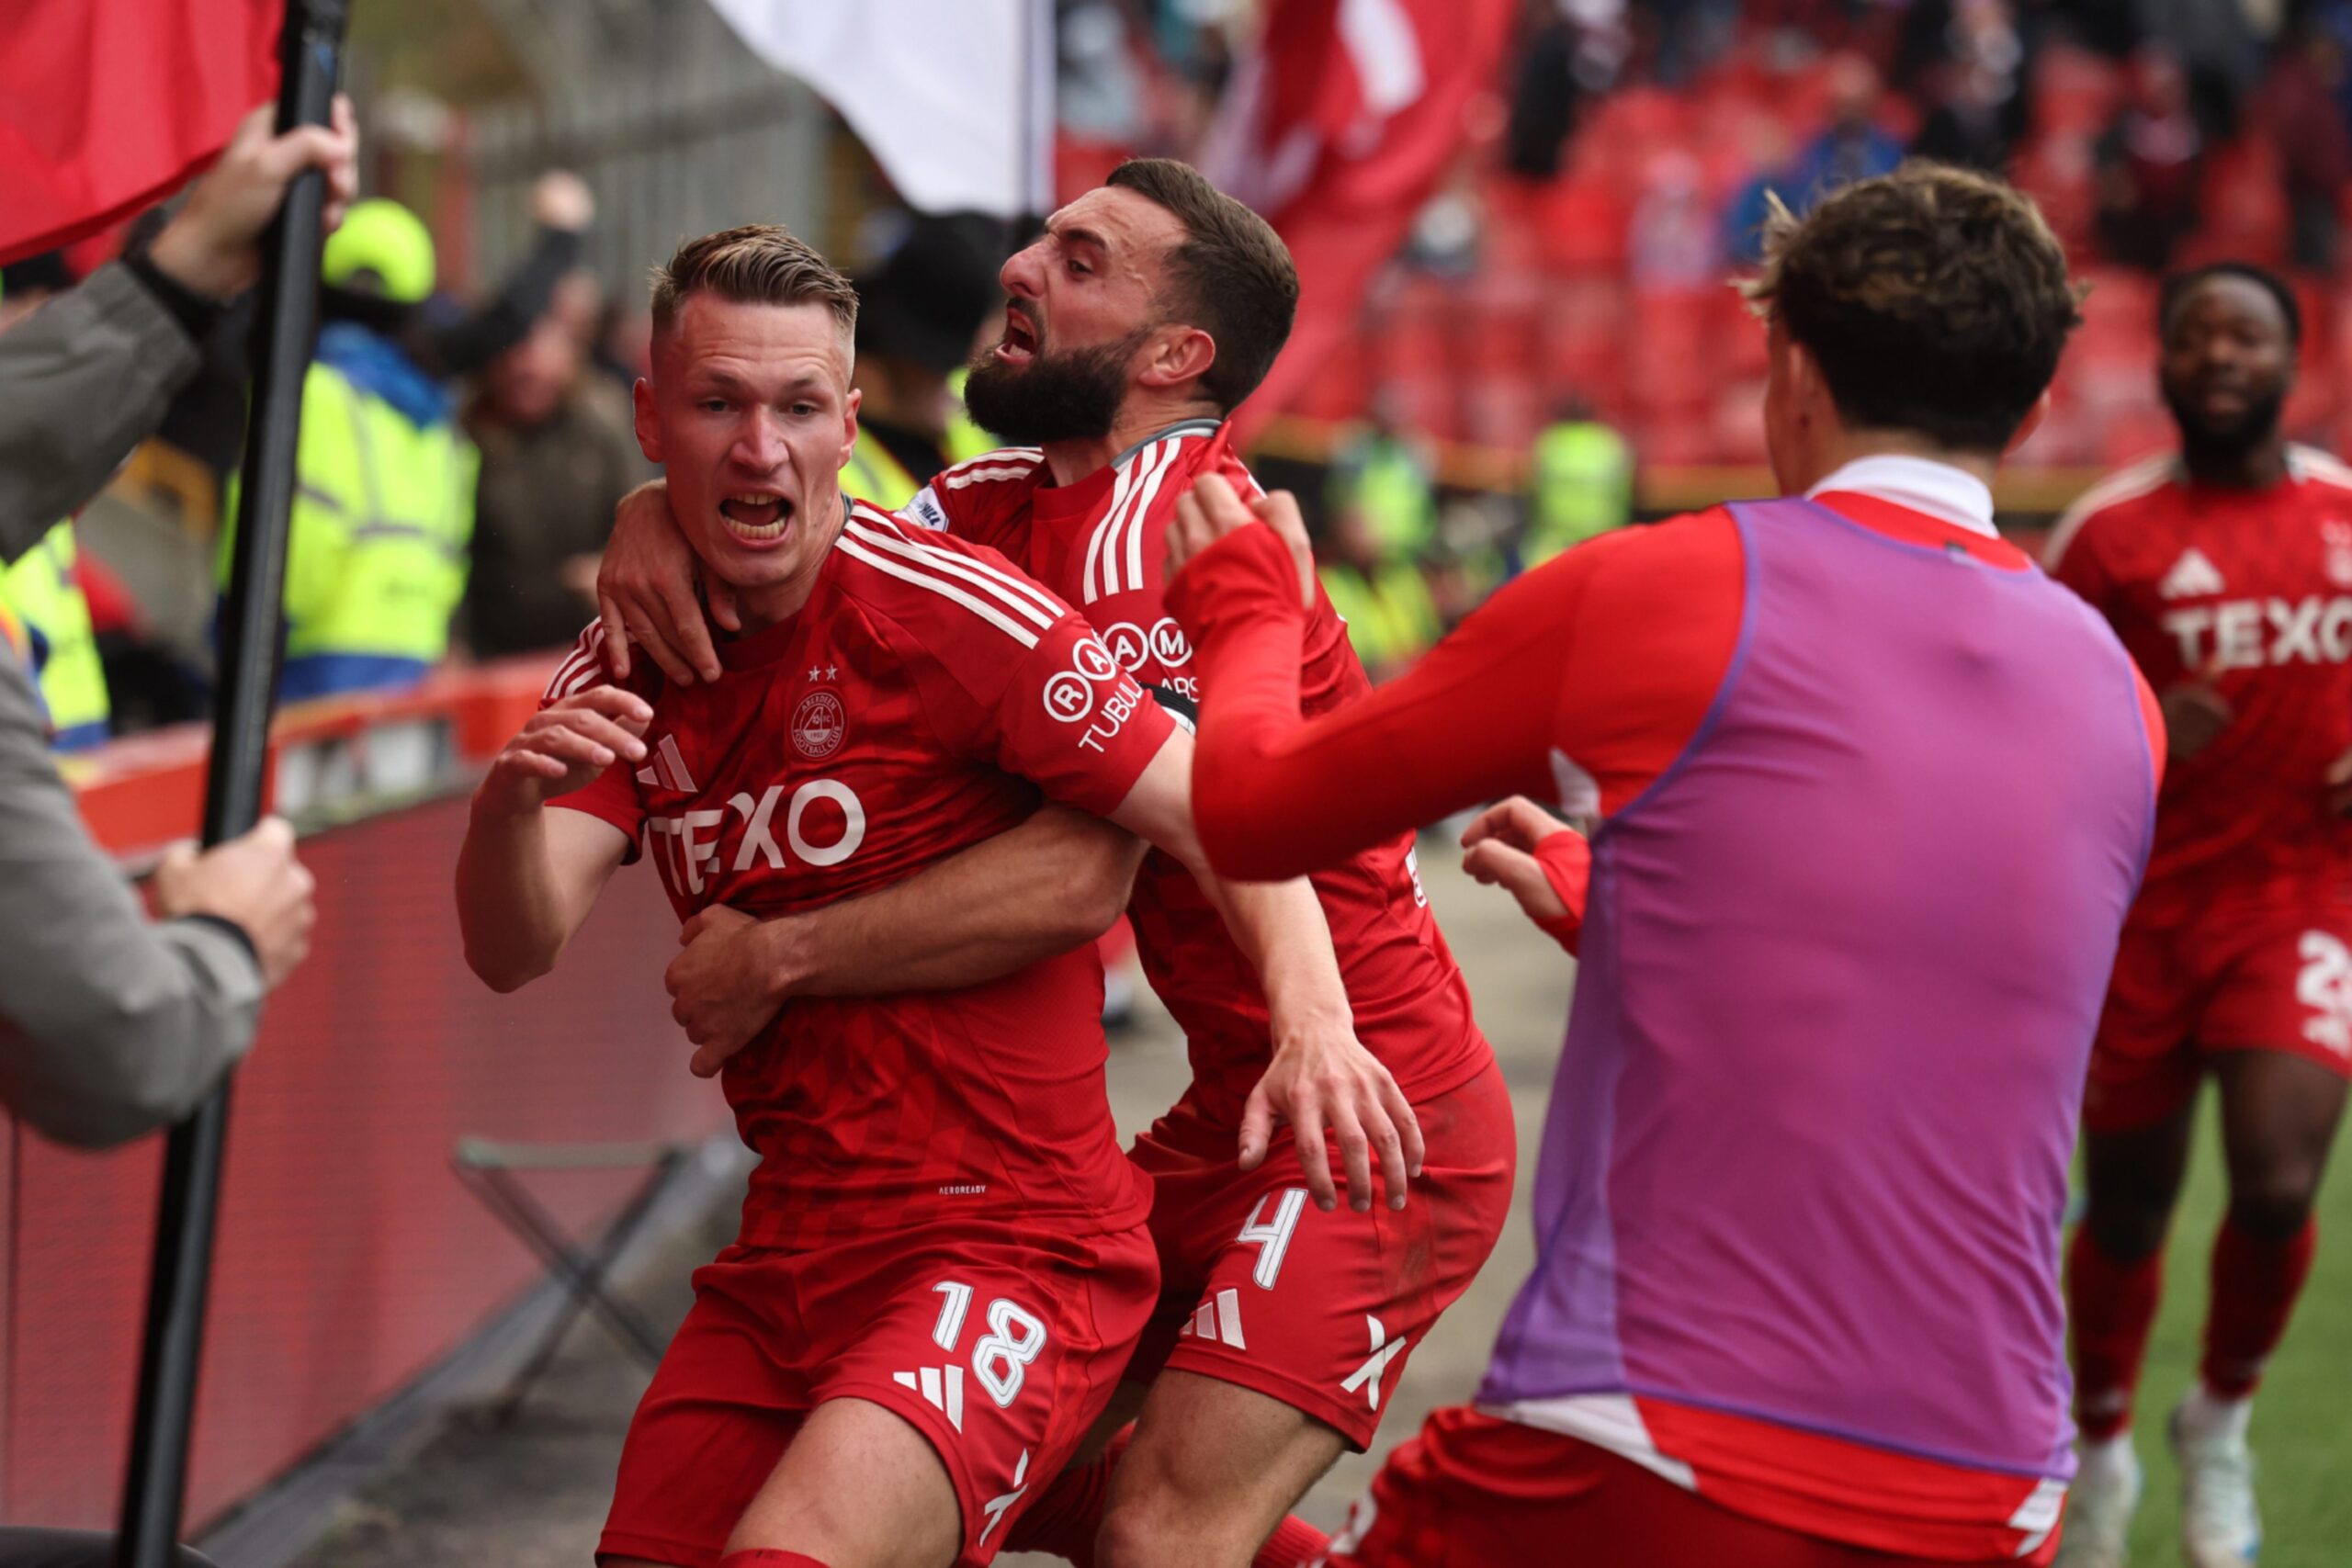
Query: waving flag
{"points": [[1337, 129], [955, 98], [107, 106]]}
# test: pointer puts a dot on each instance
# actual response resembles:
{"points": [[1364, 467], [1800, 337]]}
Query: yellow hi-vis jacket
{"points": [[43, 592], [376, 560]]}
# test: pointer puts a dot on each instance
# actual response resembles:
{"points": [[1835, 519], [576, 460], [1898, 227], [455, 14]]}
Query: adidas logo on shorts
{"points": [[943, 1390]]}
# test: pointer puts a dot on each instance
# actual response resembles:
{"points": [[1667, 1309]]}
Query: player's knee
{"points": [[1144, 1530], [2128, 1231], [2274, 1200]]}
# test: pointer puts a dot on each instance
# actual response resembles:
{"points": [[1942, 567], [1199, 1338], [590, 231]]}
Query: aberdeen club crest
{"points": [[818, 725]]}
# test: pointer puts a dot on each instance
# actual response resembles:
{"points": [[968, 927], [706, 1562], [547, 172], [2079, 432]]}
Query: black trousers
{"points": [[71, 1549]]}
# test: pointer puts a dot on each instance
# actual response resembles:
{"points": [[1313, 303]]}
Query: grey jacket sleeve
{"points": [[82, 380], [110, 1024]]}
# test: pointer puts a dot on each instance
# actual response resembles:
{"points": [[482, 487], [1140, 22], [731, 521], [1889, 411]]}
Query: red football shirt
{"points": [[920, 702], [2253, 591], [1101, 544]]}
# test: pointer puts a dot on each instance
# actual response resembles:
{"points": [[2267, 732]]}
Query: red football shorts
{"points": [[1000, 1344], [2192, 978], [1470, 1491], [1261, 1289]]}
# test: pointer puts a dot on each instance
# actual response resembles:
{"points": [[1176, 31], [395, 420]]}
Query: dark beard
{"points": [[1073, 395], [2204, 446]]}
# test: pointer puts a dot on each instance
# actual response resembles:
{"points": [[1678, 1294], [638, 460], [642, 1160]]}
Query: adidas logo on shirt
{"points": [[2191, 575], [943, 1391]]}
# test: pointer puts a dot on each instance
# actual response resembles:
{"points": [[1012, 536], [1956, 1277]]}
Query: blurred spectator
{"points": [[1382, 479], [1579, 482], [1382, 501], [1977, 88], [1543, 94], [384, 503], [1390, 615], [441, 336], [1751, 205], [1967, 126], [919, 317], [41, 589], [1854, 147], [1673, 244], [2151, 167], [2303, 108], [558, 453], [624, 339]]}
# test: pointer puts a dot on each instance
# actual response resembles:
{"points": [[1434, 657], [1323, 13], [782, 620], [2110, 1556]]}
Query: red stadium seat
{"points": [[1584, 226], [2074, 91]]}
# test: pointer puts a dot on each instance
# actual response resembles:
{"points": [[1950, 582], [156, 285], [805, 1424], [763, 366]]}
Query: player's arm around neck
{"points": [[527, 876], [1321, 1077], [1031, 892]]}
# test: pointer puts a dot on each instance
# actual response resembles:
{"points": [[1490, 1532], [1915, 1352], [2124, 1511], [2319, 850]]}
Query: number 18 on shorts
{"points": [[1000, 1348]]}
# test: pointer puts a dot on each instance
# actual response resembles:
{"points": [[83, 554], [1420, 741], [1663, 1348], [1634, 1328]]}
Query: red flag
{"points": [[107, 106], [1337, 129]]}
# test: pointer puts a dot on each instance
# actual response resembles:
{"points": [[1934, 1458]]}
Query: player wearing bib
{"points": [[1875, 797], [942, 1266], [2227, 570], [1145, 313]]}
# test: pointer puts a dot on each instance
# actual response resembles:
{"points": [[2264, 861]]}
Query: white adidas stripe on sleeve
{"points": [[922, 577]]}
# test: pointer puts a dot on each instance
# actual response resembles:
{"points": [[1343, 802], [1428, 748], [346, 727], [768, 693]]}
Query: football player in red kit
{"points": [[942, 1265], [2227, 570], [1148, 311]]}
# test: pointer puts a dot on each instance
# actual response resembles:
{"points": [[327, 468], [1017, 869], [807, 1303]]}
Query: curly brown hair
{"points": [[759, 263], [1935, 300]]}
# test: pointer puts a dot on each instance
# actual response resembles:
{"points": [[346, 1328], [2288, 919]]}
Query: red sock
{"points": [[2255, 1286], [1295, 1544], [2111, 1306], [1068, 1515], [765, 1559]]}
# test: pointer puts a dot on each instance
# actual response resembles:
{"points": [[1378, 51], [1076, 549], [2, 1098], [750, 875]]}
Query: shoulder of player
{"points": [[1124, 549], [972, 495], [990, 475], [936, 586], [2315, 468], [582, 667], [2120, 494]]}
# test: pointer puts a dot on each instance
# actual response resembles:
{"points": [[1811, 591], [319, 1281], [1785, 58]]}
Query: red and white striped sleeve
{"points": [[1009, 673]]}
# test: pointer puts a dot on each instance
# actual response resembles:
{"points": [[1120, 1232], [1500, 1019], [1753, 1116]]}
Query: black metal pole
{"points": [[309, 56]]}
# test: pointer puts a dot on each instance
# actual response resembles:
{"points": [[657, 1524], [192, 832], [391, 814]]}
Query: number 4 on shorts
{"points": [[1271, 1237]]}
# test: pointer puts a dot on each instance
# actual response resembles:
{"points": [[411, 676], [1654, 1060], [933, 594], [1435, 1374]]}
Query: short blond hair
{"points": [[759, 263]]}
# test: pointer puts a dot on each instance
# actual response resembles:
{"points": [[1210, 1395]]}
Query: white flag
{"points": [[955, 98]]}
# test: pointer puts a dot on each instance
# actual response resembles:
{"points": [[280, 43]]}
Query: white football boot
{"points": [[2219, 1525], [2100, 1504]]}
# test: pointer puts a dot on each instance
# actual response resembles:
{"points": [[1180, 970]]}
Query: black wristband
{"points": [[197, 315], [219, 922]]}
